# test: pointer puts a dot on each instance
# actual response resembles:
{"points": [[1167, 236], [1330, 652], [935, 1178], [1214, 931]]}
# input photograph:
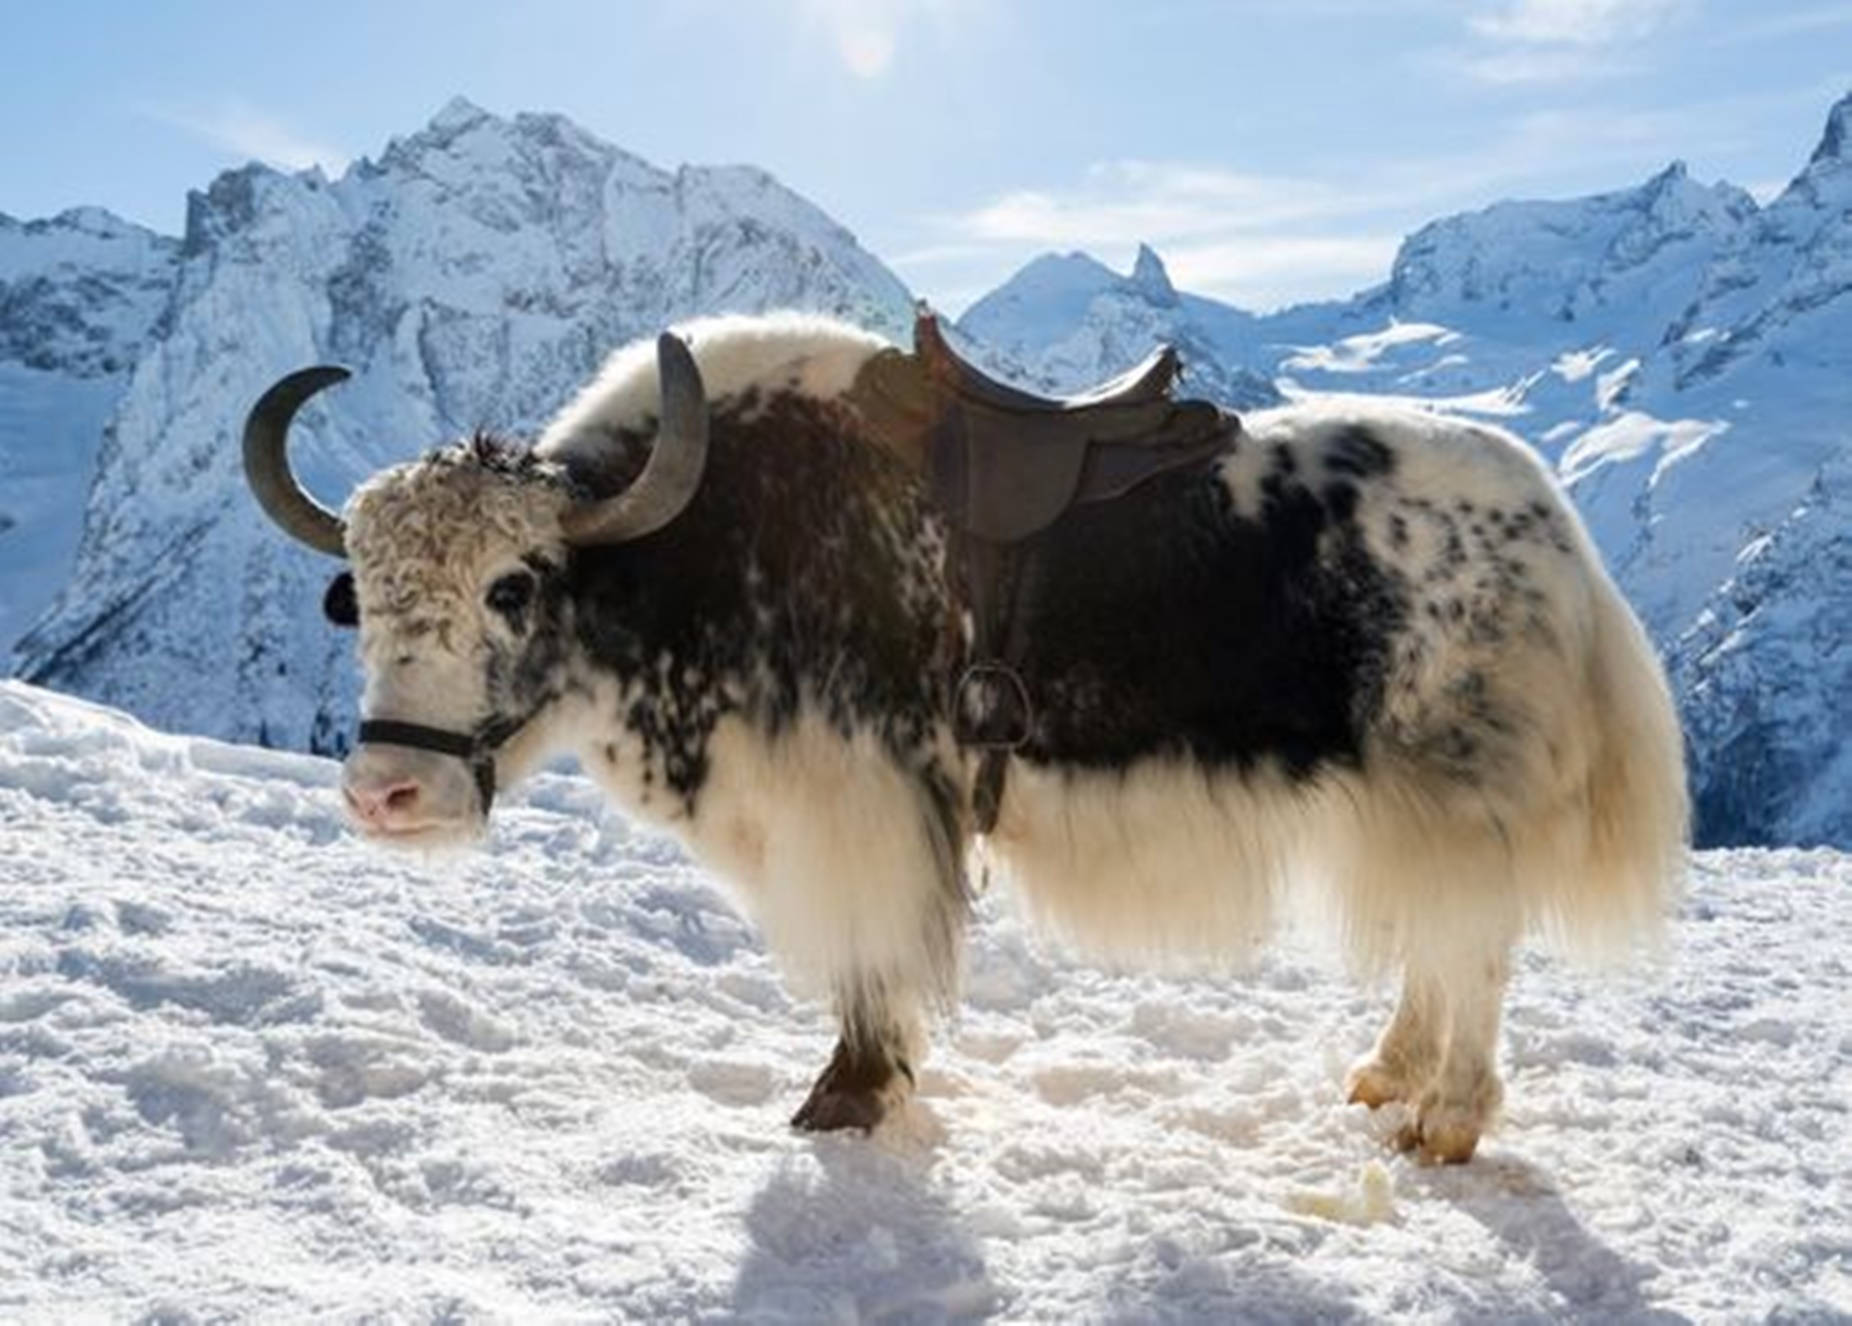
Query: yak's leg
{"points": [[871, 1071], [1408, 1053], [886, 935], [1462, 1100]]}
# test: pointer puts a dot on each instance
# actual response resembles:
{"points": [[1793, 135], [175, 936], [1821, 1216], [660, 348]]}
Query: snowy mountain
{"points": [[255, 1069], [1763, 671], [472, 276], [1066, 323], [80, 297], [1684, 358]]}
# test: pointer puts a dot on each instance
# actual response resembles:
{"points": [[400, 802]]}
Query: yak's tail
{"points": [[1635, 807]]}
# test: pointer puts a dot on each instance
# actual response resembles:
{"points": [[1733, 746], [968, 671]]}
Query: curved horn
{"points": [[266, 462], [673, 472]]}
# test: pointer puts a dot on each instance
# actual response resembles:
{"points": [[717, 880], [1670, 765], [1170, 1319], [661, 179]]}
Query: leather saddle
{"points": [[1004, 463]]}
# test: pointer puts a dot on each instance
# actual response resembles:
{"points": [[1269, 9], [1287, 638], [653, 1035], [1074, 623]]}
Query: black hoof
{"points": [[832, 1111], [853, 1091]]}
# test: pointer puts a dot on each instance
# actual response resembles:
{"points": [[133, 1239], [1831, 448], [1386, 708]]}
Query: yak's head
{"points": [[457, 580]]}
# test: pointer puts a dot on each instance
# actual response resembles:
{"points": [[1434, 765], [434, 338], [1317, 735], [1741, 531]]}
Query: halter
{"points": [[476, 749]]}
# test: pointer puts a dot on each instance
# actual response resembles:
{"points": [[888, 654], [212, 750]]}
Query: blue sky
{"points": [[1271, 150]]}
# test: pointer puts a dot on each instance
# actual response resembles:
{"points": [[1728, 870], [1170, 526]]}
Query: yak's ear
{"points": [[339, 604]]}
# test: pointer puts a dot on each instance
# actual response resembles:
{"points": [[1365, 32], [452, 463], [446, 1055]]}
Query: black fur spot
{"points": [[1165, 624], [1341, 500], [1359, 453], [799, 574]]}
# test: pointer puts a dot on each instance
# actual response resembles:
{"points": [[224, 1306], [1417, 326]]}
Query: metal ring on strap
{"points": [[971, 713]]}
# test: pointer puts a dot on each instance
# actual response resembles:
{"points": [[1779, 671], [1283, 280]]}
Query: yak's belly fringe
{"points": [[1161, 860], [840, 853], [1168, 860]]}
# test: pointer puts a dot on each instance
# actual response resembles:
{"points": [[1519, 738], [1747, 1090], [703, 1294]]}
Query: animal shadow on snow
{"points": [[1521, 1208], [1194, 1290], [858, 1235], [861, 1235]]}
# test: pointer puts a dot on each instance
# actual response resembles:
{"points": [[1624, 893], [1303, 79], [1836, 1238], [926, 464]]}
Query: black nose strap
{"points": [[389, 732], [477, 751]]}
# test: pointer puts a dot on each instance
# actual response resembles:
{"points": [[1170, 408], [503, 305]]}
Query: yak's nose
{"points": [[393, 792], [383, 804]]}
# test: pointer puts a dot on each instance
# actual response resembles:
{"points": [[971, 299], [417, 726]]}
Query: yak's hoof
{"points": [[1374, 1084], [1445, 1146], [1444, 1134], [832, 1111], [856, 1090]]}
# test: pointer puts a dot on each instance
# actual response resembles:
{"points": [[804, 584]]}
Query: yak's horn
{"points": [[673, 472], [266, 462]]}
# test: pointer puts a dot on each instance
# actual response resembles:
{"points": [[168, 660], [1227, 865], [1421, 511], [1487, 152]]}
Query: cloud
{"points": [[1126, 201], [1269, 270], [1533, 42], [244, 131], [1530, 65], [1576, 22], [1788, 23]]}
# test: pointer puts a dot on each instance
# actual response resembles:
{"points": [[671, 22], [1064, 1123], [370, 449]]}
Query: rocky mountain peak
{"points": [[1675, 173], [456, 115], [1150, 280], [229, 204], [464, 140], [1836, 141]]}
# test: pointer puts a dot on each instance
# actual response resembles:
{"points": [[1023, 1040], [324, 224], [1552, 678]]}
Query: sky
{"points": [[1271, 150]]}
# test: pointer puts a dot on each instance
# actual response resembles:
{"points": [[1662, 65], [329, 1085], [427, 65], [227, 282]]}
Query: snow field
{"points": [[253, 1069]]}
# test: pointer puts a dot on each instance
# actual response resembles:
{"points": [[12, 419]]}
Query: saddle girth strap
{"points": [[1003, 466], [992, 709]]}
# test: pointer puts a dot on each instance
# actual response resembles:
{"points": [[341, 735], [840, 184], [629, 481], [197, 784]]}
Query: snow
{"points": [[1575, 365], [80, 293], [1501, 403], [1611, 387], [253, 1068], [1631, 435], [1361, 353]]}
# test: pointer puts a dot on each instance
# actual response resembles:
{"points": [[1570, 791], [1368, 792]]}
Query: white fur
{"points": [[825, 837], [823, 841], [814, 356]]}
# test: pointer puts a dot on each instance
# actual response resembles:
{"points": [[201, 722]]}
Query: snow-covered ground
{"points": [[252, 1069]]}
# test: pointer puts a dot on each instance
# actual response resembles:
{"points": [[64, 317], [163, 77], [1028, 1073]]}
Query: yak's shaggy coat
{"points": [[1370, 653]]}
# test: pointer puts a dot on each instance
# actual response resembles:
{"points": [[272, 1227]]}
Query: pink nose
{"points": [[383, 805]]}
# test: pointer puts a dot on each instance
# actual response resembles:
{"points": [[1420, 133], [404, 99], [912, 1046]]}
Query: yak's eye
{"points": [[511, 594], [339, 604]]}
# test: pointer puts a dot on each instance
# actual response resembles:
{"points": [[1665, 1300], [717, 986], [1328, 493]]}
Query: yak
{"points": [[1361, 651]]}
